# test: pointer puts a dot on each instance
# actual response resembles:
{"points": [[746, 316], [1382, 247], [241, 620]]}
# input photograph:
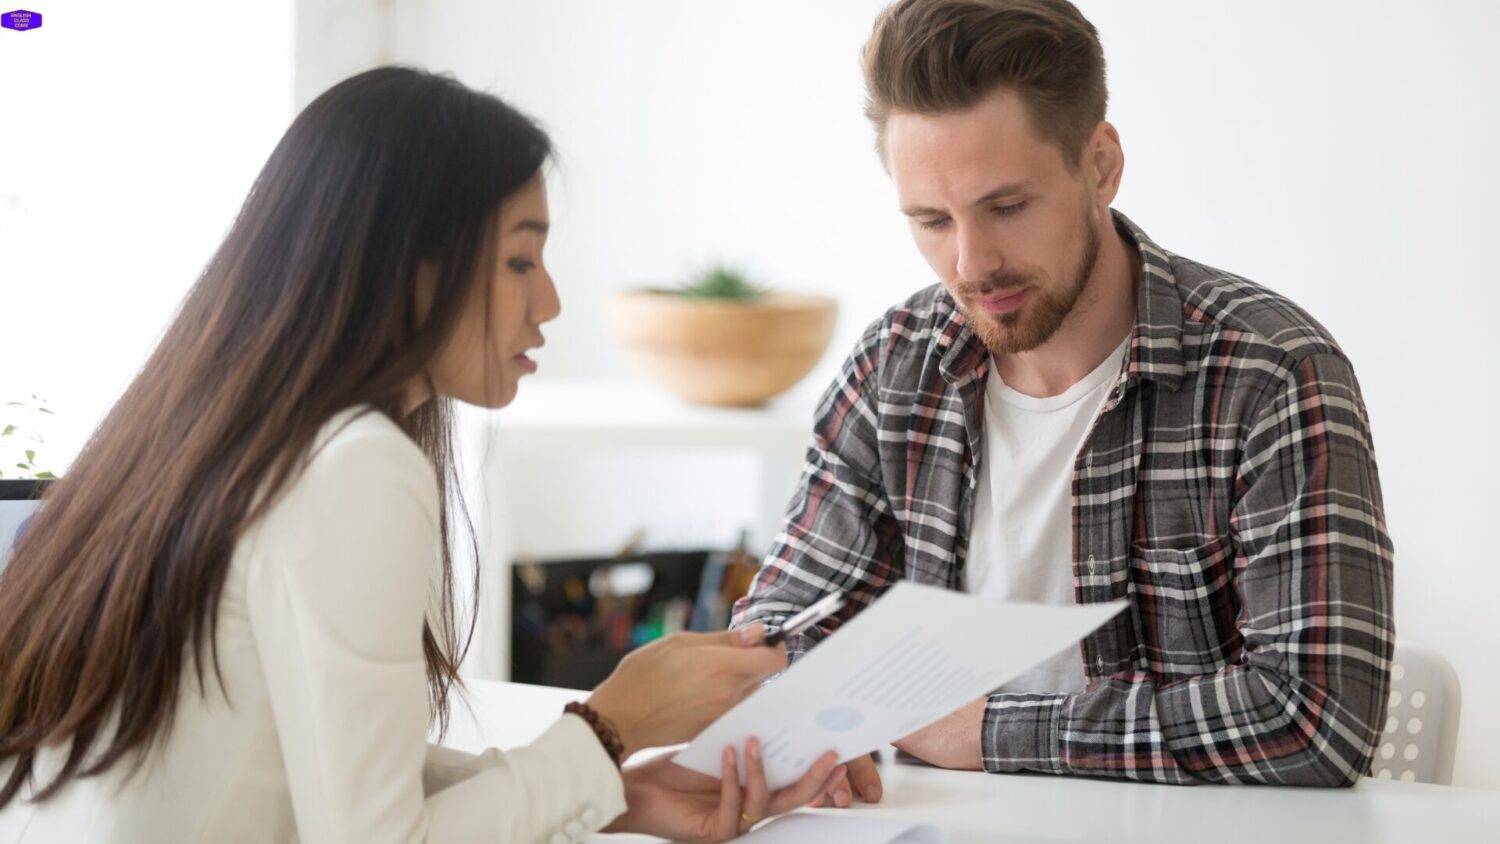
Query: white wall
{"points": [[1336, 151], [129, 135], [336, 39], [688, 132]]}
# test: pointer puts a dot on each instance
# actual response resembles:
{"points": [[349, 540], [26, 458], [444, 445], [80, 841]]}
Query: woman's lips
{"points": [[526, 363], [1002, 302]]}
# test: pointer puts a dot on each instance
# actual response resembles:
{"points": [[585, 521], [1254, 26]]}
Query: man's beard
{"points": [[1039, 318]]}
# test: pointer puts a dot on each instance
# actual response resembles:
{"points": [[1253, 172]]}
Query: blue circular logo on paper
{"points": [[839, 719]]}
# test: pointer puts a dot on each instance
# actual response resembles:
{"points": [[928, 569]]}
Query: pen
{"points": [[818, 611]]}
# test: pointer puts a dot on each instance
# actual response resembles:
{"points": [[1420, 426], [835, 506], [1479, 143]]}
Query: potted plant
{"points": [[20, 441], [22, 478], [721, 339]]}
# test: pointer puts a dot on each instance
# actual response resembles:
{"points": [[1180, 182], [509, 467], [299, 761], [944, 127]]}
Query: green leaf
{"points": [[9, 429], [721, 282], [46, 411], [45, 476], [30, 456], [22, 466]]}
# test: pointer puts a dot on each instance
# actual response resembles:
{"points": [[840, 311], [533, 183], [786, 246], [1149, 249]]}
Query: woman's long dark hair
{"points": [[308, 307]]}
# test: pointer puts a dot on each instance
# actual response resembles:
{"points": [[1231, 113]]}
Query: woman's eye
{"points": [[520, 266], [1007, 210], [933, 225]]}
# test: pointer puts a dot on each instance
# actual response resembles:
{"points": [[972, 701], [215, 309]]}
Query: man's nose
{"points": [[979, 257]]}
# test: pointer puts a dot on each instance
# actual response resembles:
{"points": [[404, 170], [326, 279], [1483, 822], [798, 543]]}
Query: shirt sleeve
{"points": [[337, 590], [840, 533], [1304, 702]]}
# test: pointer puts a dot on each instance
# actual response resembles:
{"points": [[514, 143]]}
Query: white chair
{"points": [[1421, 722]]}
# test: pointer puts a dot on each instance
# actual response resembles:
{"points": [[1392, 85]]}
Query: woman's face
{"points": [[482, 364]]}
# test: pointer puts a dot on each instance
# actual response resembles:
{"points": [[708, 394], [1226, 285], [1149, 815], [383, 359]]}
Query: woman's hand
{"points": [[670, 801], [668, 691]]}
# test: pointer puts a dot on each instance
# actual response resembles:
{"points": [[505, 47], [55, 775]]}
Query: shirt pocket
{"points": [[1186, 605]]}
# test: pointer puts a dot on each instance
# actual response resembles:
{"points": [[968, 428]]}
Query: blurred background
{"points": [[1338, 152]]}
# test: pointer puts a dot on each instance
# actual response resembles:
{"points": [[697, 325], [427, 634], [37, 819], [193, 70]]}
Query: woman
{"points": [[233, 620]]}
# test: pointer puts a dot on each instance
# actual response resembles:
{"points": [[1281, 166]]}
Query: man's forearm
{"points": [[1244, 724], [951, 742]]}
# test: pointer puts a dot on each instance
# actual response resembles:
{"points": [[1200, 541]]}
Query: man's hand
{"points": [[952, 742], [860, 778]]}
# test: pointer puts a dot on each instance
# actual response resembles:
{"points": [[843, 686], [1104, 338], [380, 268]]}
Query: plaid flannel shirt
{"points": [[1228, 490]]}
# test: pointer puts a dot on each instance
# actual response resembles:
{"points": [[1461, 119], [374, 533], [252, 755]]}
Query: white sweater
{"points": [[323, 736]]}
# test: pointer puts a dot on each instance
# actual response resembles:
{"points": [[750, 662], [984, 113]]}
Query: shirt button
{"points": [[574, 828]]}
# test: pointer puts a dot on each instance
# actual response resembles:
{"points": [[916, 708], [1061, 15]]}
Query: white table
{"points": [[974, 807]]}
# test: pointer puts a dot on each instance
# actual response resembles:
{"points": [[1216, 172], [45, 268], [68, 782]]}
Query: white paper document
{"points": [[913, 656], [845, 828]]}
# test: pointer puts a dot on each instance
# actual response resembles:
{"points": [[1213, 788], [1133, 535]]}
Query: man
{"points": [[1075, 414]]}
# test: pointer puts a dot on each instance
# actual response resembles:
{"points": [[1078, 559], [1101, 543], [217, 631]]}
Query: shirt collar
{"points": [[1155, 343]]}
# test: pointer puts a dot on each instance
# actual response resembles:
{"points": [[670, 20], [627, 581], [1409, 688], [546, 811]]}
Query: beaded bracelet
{"points": [[608, 735]]}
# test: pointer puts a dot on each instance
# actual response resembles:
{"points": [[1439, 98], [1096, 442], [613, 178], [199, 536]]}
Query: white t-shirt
{"points": [[1021, 538]]}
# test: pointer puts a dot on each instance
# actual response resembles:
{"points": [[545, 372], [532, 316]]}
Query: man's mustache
{"points": [[996, 284]]}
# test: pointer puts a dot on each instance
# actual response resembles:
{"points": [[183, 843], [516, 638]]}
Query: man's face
{"points": [[1010, 231]]}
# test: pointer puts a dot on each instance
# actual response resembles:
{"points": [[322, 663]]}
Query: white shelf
{"points": [[556, 420], [550, 411]]}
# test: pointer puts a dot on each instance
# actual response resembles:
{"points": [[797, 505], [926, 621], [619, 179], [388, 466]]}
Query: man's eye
{"points": [[520, 266], [1007, 210], [933, 225]]}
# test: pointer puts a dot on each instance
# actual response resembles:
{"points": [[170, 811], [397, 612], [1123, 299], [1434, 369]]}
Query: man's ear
{"points": [[1106, 162]]}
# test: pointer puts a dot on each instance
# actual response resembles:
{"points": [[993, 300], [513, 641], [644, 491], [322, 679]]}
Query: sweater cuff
{"points": [[591, 765], [1022, 732]]}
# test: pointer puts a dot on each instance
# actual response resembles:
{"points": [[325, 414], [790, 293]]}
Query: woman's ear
{"points": [[425, 289]]}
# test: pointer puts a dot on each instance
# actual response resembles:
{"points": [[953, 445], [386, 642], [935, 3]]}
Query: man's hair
{"points": [[935, 56]]}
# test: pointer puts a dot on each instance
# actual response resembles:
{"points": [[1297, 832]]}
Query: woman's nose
{"points": [[545, 304]]}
